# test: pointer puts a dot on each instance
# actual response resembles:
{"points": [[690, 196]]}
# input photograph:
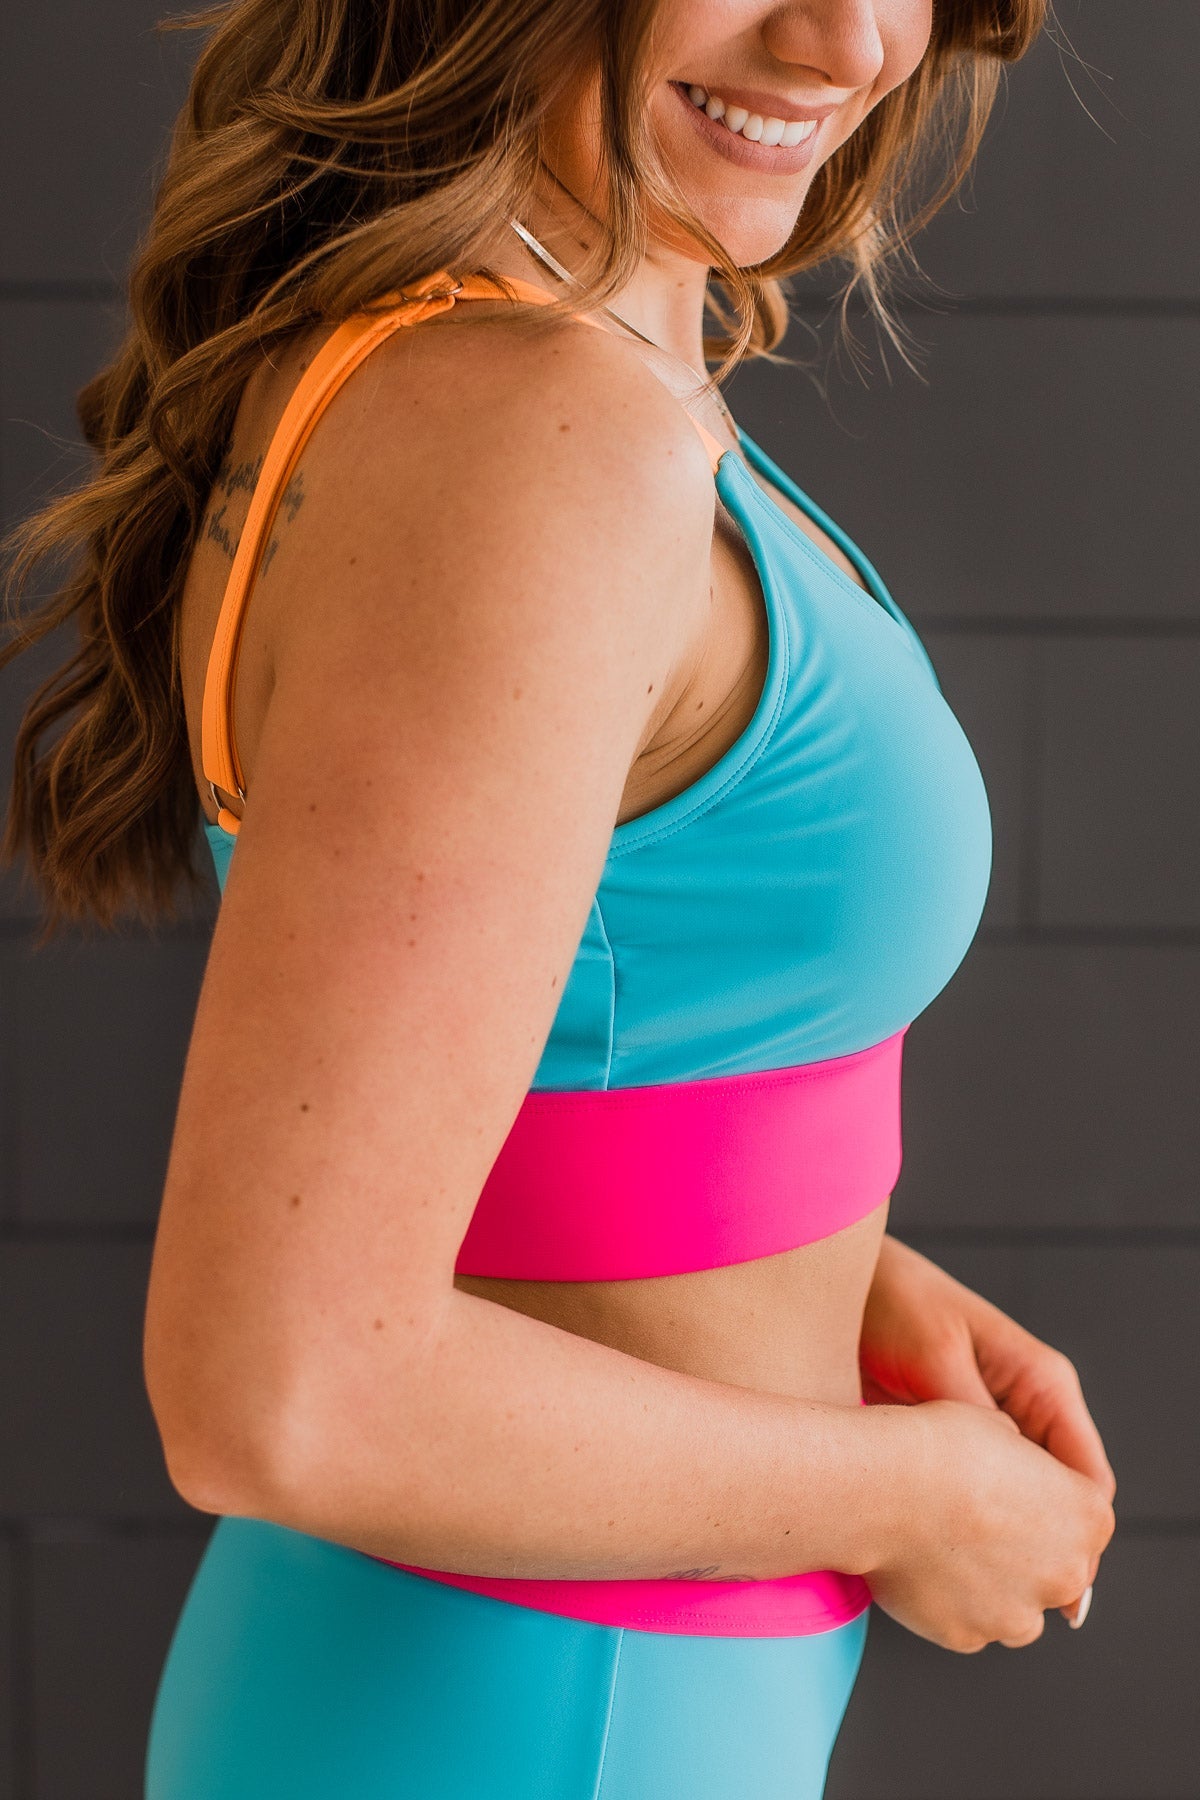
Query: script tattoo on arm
{"points": [[242, 477], [231, 478], [290, 503]]}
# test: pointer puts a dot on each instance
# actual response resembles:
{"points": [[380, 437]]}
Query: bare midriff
{"points": [[787, 1323]]}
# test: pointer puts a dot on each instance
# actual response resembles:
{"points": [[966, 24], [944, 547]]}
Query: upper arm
{"points": [[485, 592]]}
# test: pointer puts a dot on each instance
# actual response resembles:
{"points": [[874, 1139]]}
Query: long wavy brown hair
{"points": [[329, 153]]}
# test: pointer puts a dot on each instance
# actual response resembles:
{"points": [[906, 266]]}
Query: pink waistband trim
{"points": [[793, 1606], [610, 1184]]}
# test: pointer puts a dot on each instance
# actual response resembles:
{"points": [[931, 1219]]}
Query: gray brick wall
{"points": [[1029, 501]]}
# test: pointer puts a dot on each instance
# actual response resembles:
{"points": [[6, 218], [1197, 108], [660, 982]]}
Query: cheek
{"points": [[905, 28]]}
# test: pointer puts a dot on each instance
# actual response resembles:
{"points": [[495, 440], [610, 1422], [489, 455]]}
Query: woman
{"points": [[600, 828]]}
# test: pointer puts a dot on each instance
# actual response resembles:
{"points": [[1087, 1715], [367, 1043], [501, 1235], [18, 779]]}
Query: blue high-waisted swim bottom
{"points": [[304, 1670]]}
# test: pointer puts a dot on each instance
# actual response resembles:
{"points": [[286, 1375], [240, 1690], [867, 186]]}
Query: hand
{"points": [[925, 1336], [989, 1530]]}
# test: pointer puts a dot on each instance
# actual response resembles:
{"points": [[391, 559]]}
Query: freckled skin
{"points": [[241, 477], [786, 1323]]}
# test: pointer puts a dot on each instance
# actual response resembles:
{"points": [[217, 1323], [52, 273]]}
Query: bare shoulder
{"points": [[472, 482], [586, 378], [567, 418], [469, 455]]}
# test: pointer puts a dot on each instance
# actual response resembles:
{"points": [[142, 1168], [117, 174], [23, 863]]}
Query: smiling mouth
{"points": [[755, 128]]}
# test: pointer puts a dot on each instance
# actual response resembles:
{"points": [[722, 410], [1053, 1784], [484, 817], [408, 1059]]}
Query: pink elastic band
{"points": [[793, 1606], [610, 1184]]}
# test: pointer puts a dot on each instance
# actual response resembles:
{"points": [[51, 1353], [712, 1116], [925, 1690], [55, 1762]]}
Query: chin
{"points": [[748, 241]]}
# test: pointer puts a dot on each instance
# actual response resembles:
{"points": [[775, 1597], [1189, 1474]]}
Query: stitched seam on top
{"points": [[612, 1701], [612, 1004]]}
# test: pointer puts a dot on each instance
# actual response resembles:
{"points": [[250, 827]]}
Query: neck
{"points": [[664, 298]]}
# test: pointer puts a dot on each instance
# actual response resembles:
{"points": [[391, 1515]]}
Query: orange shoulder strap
{"points": [[341, 353]]}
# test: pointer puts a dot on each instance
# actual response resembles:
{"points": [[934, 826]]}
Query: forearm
{"points": [[520, 1449]]}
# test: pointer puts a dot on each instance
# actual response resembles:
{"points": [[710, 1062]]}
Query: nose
{"points": [[840, 39]]}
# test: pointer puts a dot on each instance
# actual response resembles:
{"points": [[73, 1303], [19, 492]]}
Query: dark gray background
{"points": [[1031, 501]]}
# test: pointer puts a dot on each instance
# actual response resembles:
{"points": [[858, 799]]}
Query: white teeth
{"points": [[752, 125]]}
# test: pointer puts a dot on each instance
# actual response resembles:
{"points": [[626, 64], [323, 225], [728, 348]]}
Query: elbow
{"points": [[204, 1485], [218, 1467], [229, 1469], [223, 1446], [257, 1429], [222, 1405]]}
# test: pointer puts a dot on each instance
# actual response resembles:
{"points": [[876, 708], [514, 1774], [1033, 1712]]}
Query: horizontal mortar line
{"points": [[1142, 1794], [1092, 937], [1055, 1237], [1150, 1527], [17, 926], [1101, 306], [40, 1231], [1034, 625], [76, 1528], [56, 288]]}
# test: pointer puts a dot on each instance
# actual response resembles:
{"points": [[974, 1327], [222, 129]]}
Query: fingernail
{"points": [[1082, 1610]]}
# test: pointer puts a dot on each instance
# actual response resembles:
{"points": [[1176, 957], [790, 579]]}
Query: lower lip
{"points": [[770, 159]]}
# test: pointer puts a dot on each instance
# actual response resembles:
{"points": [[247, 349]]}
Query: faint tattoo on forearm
{"points": [[708, 1572]]}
